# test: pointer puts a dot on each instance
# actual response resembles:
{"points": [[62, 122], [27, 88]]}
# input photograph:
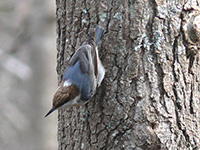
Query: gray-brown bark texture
{"points": [[150, 96]]}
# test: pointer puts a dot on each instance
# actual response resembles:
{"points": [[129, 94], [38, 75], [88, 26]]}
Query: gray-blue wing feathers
{"points": [[78, 72]]}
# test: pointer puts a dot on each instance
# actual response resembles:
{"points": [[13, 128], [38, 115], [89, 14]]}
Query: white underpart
{"points": [[101, 73], [67, 83], [101, 70]]}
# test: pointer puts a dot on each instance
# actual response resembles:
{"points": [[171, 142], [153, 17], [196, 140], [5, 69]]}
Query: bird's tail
{"points": [[98, 33]]}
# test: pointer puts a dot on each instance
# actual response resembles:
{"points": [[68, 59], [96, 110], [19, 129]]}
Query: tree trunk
{"points": [[150, 96]]}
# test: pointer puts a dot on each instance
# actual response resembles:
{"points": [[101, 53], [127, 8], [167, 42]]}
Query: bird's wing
{"points": [[78, 71], [77, 66], [81, 55]]}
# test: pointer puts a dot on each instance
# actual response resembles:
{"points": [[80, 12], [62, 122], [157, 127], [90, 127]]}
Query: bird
{"points": [[83, 74]]}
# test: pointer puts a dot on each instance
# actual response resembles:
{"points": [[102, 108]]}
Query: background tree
{"points": [[27, 74], [149, 98]]}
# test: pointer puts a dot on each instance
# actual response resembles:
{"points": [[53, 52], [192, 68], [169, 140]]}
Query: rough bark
{"points": [[149, 98]]}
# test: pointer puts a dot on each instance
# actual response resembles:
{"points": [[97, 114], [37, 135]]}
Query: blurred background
{"points": [[27, 74]]}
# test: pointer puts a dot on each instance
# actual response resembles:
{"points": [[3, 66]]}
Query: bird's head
{"points": [[67, 94]]}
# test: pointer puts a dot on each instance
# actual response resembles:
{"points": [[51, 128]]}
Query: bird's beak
{"points": [[50, 111]]}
